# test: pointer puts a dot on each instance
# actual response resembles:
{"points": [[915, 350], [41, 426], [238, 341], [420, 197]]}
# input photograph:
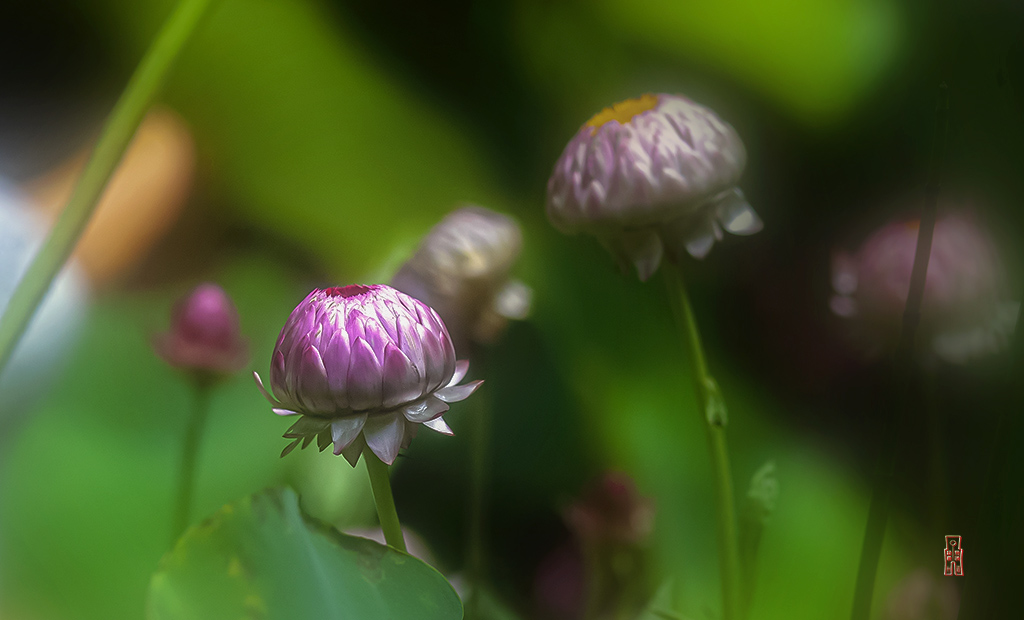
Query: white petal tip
{"points": [[455, 393], [439, 425]]}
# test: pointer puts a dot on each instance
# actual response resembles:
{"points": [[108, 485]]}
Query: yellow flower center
{"points": [[624, 111]]}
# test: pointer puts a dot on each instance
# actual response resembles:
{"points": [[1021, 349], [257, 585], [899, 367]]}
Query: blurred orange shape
{"points": [[142, 201]]}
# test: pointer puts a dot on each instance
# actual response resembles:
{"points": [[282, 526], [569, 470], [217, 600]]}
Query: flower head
{"points": [[204, 335], [652, 175], [963, 314], [461, 269], [364, 364]]}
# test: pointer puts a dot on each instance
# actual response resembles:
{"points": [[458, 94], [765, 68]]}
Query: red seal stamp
{"points": [[953, 557]]}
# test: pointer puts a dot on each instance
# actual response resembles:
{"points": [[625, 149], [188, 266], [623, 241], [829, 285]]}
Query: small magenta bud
{"points": [[204, 336]]}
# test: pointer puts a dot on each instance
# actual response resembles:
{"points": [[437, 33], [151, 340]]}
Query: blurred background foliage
{"points": [[329, 136]]}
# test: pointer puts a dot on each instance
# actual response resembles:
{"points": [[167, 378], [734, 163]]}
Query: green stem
{"points": [[117, 134], [480, 423], [190, 451], [380, 482], [715, 419], [892, 426]]}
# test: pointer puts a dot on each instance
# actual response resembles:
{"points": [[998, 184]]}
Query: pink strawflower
{"points": [[204, 335], [364, 365], [650, 176], [963, 314]]}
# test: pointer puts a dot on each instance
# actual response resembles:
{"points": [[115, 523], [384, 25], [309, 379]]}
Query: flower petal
{"points": [[439, 425], [384, 435], [263, 390], [364, 378], [306, 425], [288, 449], [401, 381], [336, 360], [700, 240], [736, 214], [354, 449], [455, 393], [285, 412], [424, 410], [410, 433], [345, 430], [311, 383], [461, 368], [433, 357]]}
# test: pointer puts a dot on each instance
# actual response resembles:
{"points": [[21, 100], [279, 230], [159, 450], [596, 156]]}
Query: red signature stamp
{"points": [[953, 556]]}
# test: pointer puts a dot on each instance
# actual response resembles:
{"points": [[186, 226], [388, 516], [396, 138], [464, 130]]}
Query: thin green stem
{"points": [[380, 482], [117, 134], [881, 491], [190, 452], [715, 418], [480, 424]]}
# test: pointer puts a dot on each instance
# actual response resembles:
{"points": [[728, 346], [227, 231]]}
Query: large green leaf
{"points": [[262, 558]]}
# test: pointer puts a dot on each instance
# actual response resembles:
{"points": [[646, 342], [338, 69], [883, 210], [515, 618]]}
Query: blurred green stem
{"points": [[117, 134], [380, 482], [190, 452], [715, 418], [892, 426], [480, 429]]}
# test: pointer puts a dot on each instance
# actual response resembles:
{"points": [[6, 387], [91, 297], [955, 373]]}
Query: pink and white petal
{"points": [[364, 378], [384, 434], [455, 393], [285, 412], [439, 425], [410, 345], [433, 358], [312, 390], [401, 381], [336, 360], [410, 433], [345, 430], [424, 410], [461, 368]]}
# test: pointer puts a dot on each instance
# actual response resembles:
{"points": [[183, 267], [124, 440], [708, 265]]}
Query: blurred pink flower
{"points": [[963, 313], [364, 364], [611, 510], [204, 335], [652, 175]]}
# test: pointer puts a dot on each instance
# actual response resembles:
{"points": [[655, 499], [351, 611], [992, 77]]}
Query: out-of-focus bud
{"points": [[461, 269], [57, 321], [204, 337], [922, 596], [963, 314], [651, 176], [611, 510]]}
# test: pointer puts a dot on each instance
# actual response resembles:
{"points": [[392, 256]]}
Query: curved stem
{"points": [[380, 482], [117, 134], [190, 451], [715, 419]]}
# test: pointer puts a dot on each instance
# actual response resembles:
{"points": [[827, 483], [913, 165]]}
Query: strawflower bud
{"points": [[204, 337], [461, 270], [364, 365], [650, 176], [611, 510], [963, 312]]}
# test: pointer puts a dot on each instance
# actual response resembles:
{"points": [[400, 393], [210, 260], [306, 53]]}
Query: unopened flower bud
{"points": [[204, 335], [611, 510], [461, 269], [651, 176], [364, 365]]}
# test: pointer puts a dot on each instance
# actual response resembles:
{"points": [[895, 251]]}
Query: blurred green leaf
{"points": [[262, 558]]}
